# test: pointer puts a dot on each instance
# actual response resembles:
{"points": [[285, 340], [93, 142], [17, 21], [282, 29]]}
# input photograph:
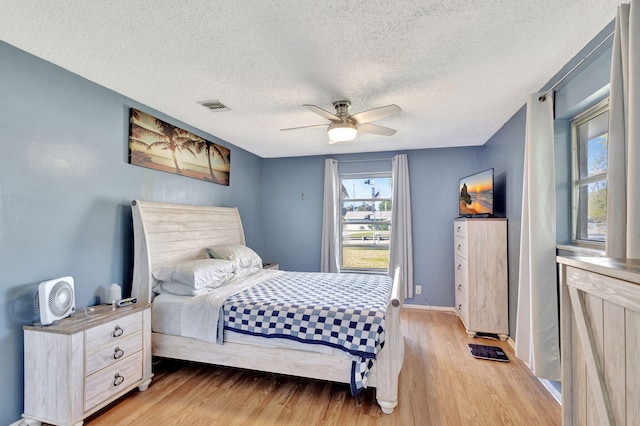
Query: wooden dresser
{"points": [[481, 281], [79, 365], [600, 340]]}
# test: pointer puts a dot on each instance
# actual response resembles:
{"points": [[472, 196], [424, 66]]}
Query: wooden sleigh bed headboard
{"points": [[171, 233]]}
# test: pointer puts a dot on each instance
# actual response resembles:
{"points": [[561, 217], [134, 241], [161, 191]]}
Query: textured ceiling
{"points": [[459, 69]]}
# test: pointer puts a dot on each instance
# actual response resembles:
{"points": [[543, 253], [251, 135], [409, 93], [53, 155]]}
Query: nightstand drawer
{"points": [[112, 353], [112, 331], [106, 383]]}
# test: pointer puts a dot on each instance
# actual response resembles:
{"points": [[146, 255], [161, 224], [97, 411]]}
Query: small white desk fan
{"points": [[56, 299]]}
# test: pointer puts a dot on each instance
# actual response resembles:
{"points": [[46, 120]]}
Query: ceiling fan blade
{"points": [[375, 114], [375, 129], [305, 127], [323, 113]]}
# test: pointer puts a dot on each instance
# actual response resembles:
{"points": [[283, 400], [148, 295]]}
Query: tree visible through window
{"points": [[366, 206], [590, 155]]}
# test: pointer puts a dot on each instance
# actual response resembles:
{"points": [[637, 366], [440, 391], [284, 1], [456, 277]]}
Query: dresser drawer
{"points": [[104, 384], [461, 268], [460, 247], [460, 228], [112, 353], [461, 288], [460, 277], [462, 308], [112, 331]]}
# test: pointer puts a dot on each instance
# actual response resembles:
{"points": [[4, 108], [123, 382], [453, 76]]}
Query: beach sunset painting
{"points": [[158, 145], [476, 194]]}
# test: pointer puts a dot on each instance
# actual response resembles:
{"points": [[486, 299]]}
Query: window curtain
{"points": [[401, 246], [537, 326], [623, 170], [330, 250]]}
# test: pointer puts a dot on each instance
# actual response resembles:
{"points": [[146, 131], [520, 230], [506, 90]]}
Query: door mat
{"points": [[493, 353]]}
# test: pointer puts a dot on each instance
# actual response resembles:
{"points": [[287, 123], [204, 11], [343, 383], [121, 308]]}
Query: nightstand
{"points": [[270, 266], [84, 362]]}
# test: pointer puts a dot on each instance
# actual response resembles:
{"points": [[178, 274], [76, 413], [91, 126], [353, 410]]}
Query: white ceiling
{"points": [[459, 69]]}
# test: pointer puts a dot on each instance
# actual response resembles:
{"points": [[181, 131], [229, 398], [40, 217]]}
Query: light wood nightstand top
{"points": [[80, 321]]}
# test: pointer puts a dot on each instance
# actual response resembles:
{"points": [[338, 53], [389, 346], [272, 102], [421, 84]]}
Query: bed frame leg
{"points": [[144, 385], [387, 406], [387, 385]]}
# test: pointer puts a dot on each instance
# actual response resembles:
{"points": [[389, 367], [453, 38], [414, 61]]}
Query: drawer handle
{"points": [[459, 247], [459, 229], [118, 379], [460, 307], [459, 286], [118, 331], [118, 353], [459, 267]]}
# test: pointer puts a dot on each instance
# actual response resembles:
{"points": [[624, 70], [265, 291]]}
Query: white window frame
{"points": [[375, 176], [587, 115]]}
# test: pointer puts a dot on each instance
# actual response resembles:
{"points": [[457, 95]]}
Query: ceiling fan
{"points": [[344, 126]]}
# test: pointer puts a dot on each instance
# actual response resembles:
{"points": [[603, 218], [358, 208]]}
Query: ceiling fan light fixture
{"points": [[342, 132], [344, 127]]}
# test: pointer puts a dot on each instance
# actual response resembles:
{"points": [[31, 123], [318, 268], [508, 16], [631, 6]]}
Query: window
{"points": [[590, 132], [365, 203]]}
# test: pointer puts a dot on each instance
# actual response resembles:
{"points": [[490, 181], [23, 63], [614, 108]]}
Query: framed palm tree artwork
{"points": [[158, 145]]}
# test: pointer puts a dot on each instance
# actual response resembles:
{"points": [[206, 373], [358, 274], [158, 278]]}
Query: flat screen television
{"points": [[476, 194]]}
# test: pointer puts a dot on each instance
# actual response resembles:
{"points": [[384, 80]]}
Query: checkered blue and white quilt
{"points": [[344, 311]]}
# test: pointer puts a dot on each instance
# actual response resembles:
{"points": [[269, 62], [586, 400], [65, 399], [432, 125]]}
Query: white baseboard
{"points": [[511, 343], [18, 423], [552, 390], [428, 307]]}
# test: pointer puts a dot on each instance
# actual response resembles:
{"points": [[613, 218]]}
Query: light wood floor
{"points": [[440, 384]]}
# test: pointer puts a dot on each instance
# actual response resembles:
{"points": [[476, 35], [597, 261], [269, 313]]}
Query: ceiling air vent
{"points": [[215, 106]]}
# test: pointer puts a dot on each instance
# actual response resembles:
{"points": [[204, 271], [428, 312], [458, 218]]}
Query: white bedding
{"points": [[197, 317]]}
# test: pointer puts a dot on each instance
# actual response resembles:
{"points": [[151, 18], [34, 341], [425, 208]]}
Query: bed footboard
{"points": [[389, 360]]}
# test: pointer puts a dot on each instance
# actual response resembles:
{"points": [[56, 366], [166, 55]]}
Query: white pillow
{"points": [[197, 274], [243, 256], [245, 272]]}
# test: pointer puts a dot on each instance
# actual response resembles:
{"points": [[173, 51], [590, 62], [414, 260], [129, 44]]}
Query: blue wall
{"points": [[292, 208], [65, 192], [505, 153]]}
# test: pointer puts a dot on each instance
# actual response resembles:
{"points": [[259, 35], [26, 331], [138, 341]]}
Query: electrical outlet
{"points": [[418, 289]]}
